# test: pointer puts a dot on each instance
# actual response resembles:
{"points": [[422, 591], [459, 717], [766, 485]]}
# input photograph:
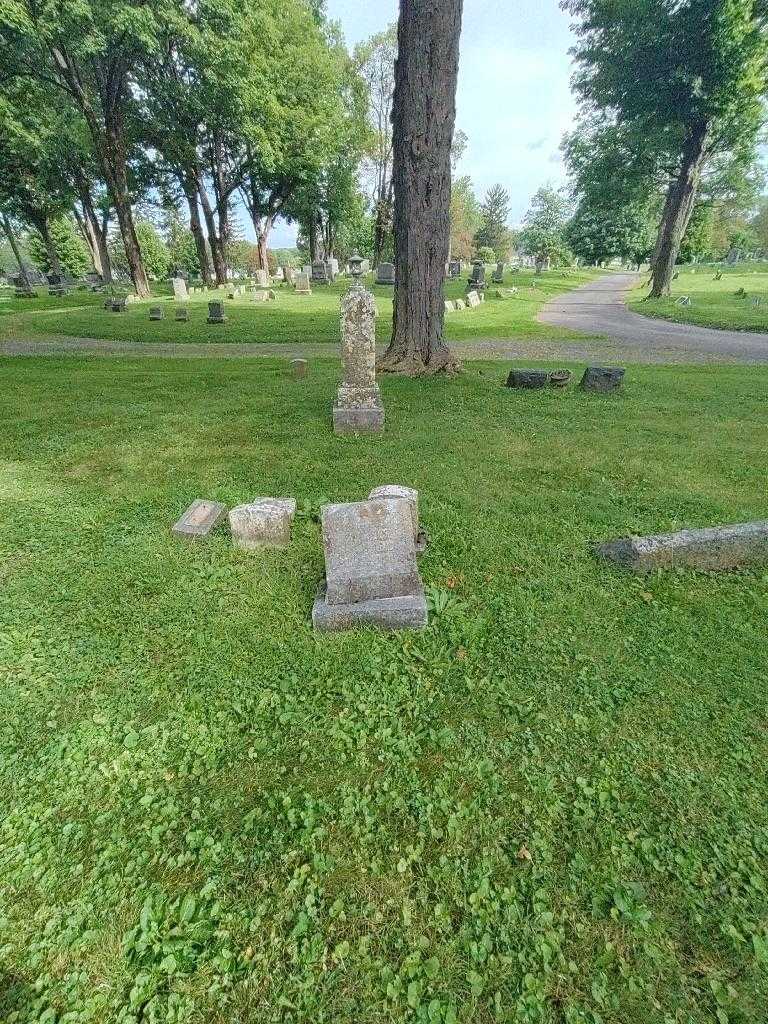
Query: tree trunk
{"points": [[191, 193], [95, 232], [314, 251], [117, 182], [262, 240], [88, 237], [41, 224], [12, 242], [215, 242], [678, 208], [423, 116]]}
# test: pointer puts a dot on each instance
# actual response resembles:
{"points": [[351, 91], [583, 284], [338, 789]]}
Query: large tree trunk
{"points": [[423, 116], [95, 232], [115, 170], [191, 192], [215, 242], [314, 249], [12, 242], [41, 224], [678, 208], [262, 240]]}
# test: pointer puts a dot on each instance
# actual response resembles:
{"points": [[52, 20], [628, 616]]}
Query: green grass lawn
{"points": [[714, 303], [549, 807], [290, 318]]}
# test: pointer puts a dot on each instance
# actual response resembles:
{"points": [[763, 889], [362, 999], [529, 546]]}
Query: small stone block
{"points": [[264, 522], [459, 304], [182, 314], [605, 379], [473, 299], [528, 379], [388, 613], [369, 551], [713, 548], [299, 368], [156, 313], [200, 519]]}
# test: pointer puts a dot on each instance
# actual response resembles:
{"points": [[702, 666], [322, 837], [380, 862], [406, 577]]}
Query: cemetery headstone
{"points": [[299, 368], [302, 285], [289, 274], [216, 312], [117, 305], [358, 407], [200, 519], [498, 274], [385, 273], [454, 269], [156, 313], [370, 563], [182, 314], [320, 273], [264, 522], [473, 299], [279, 275], [605, 379], [459, 304], [180, 293], [476, 280], [262, 278], [528, 379]]}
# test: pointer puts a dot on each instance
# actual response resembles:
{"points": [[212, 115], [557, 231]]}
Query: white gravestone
{"points": [[180, 292]]}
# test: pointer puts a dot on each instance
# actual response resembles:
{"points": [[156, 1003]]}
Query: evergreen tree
{"points": [[493, 232]]}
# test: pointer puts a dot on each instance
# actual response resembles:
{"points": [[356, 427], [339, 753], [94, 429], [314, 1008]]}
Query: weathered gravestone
{"points": [[302, 285], [263, 522], [299, 368], [714, 548], [156, 313], [605, 379], [180, 293], [370, 564], [449, 306], [473, 299], [476, 280], [454, 269], [385, 273], [117, 305], [289, 275], [182, 314], [200, 519], [498, 274], [459, 304], [216, 312], [320, 273], [279, 275], [528, 379], [333, 267], [358, 407], [262, 278]]}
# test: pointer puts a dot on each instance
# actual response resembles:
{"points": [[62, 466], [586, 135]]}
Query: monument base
{"points": [[357, 421], [388, 613]]}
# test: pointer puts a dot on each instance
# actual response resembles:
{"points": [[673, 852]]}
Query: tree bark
{"points": [[95, 230], [191, 192], [12, 242], [215, 242], [423, 116], [678, 208], [313, 246], [41, 224]]}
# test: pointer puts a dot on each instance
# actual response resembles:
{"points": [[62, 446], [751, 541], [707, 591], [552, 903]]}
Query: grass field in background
{"points": [[290, 318], [549, 807], [713, 303]]}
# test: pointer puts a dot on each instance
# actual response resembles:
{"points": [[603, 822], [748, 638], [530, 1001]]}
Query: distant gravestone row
{"points": [[602, 379]]}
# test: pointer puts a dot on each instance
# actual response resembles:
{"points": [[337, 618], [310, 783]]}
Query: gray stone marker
{"points": [[216, 313], [714, 548], [473, 299], [262, 278], [371, 572], [180, 293], [498, 274], [289, 275], [117, 305], [156, 313], [299, 368], [459, 304], [476, 281], [385, 273], [320, 274], [449, 306], [454, 269], [302, 285], [200, 519], [605, 379], [182, 314], [528, 379], [263, 522], [358, 408]]}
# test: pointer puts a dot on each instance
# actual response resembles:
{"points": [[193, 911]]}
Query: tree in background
{"points": [[374, 60], [686, 78], [154, 252], [423, 117], [759, 224], [493, 232], [544, 229], [73, 257], [465, 218]]}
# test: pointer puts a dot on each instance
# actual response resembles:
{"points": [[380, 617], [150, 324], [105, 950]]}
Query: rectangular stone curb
{"points": [[713, 548], [389, 613]]}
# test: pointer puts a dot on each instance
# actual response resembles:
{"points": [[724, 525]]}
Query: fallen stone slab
{"points": [[713, 548], [262, 523], [200, 519], [528, 379]]}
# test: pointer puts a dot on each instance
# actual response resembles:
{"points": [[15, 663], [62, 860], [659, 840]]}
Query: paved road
{"points": [[600, 308]]}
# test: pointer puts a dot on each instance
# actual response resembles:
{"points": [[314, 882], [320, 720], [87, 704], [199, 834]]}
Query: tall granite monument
{"points": [[358, 408]]}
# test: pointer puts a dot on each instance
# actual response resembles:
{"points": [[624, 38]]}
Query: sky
{"points": [[513, 100]]}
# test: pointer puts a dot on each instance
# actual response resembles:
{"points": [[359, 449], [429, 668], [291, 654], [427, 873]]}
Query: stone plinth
{"points": [[358, 407], [264, 522], [604, 379], [199, 520]]}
